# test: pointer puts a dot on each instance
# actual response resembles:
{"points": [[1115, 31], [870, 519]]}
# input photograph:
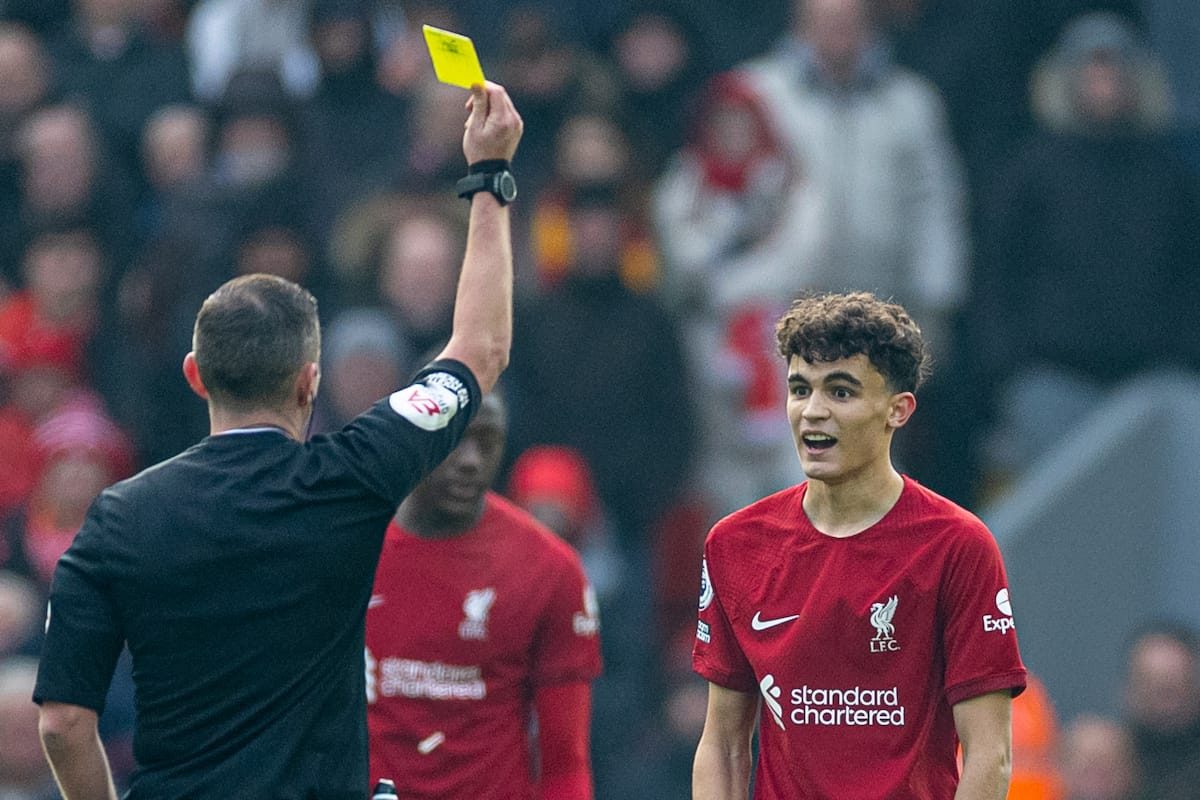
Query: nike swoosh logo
{"points": [[375, 601], [760, 624]]}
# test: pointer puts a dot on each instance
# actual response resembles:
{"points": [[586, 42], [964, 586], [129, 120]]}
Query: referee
{"points": [[239, 571]]}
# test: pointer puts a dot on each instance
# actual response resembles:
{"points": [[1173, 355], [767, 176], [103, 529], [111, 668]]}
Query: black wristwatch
{"points": [[494, 175]]}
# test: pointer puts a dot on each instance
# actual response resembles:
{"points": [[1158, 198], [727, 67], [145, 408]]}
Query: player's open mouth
{"points": [[818, 441]]}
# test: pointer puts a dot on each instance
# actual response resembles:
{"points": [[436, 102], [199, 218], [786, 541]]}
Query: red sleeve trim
{"points": [[1013, 679]]}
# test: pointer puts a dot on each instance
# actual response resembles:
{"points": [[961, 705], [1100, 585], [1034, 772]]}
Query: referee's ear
{"points": [[307, 383], [192, 373]]}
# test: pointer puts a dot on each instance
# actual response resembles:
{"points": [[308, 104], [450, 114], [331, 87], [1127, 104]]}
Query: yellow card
{"points": [[454, 58]]}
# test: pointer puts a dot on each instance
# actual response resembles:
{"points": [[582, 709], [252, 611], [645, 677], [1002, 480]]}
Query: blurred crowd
{"points": [[1023, 175]]}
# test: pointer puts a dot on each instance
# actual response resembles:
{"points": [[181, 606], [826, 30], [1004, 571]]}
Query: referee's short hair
{"points": [[251, 338]]}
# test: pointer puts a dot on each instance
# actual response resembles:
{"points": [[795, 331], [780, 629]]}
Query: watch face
{"points": [[506, 186]]}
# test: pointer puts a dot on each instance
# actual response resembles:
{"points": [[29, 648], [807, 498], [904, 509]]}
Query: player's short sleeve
{"points": [[980, 635], [716, 654], [84, 636], [567, 645]]}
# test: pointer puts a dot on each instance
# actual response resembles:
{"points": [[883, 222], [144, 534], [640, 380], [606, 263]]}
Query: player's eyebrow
{"points": [[832, 377]]}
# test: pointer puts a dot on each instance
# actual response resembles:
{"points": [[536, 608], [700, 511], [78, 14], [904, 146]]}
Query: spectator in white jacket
{"points": [[871, 139]]}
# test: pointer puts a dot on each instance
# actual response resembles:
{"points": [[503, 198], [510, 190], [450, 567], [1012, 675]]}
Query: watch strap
{"points": [[489, 165]]}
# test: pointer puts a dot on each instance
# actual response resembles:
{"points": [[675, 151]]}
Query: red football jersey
{"points": [[459, 632], [858, 647]]}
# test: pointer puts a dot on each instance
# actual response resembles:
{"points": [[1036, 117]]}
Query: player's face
{"points": [[843, 415], [454, 492]]}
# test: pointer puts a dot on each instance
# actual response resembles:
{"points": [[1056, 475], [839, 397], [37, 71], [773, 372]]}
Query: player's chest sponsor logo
{"points": [[1003, 622], [392, 676], [882, 614], [476, 608], [855, 706]]}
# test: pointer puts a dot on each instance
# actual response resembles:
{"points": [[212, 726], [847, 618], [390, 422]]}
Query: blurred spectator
{"points": [[979, 56], [730, 213], [24, 771], [598, 367], [355, 131], [549, 77], [590, 151], [80, 452], [430, 161], [45, 333], [886, 196], [871, 140], [254, 174], [1162, 702], [52, 319], [66, 177], [174, 161], [1098, 760], [729, 210], [24, 84], [22, 607], [659, 63], [175, 146], [225, 37], [1092, 225], [278, 246], [418, 271], [554, 484], [365, 358], [163, 20], [105, 61], [403, 58]]}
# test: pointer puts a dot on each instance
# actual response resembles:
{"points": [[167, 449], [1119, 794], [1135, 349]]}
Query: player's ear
{"points": [[192, 373], [900, 408]]}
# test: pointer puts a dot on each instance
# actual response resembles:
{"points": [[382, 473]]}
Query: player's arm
{"points": [[482, 332], [72, 744], [984, 726], [564, 718], [721, 770]]}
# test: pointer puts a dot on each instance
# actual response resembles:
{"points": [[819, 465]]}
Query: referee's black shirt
{"points": [[239, 574]]}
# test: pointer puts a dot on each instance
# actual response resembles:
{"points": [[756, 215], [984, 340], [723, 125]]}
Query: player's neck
{"points": [[430, 523], [224, 420], [848, 507]]}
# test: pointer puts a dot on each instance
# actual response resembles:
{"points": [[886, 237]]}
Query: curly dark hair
{"points": [[827, 327]]}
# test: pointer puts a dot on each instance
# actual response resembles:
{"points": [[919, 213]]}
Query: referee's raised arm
{"points": [[482, 331]]}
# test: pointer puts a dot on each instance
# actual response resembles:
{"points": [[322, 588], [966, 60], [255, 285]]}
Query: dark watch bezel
{"points": [[501, 184]]}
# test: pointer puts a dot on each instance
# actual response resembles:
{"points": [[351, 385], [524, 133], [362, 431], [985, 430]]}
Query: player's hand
{"points": [[494, 127]]}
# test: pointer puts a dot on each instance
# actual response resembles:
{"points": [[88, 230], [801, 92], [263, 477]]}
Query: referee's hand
{"points": [[494, 127]]}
